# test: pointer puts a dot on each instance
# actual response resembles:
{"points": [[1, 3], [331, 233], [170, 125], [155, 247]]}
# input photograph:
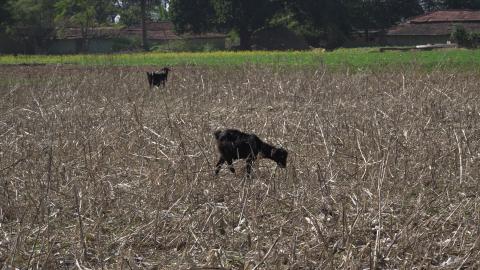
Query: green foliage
{"points": [[460, 35], [159, 13], [208, 47], [381, 14], [353, 59], [30, 22], [75, 12], [311, 34], [430, 5], [85, 14], [317, 20], [105, 11], [330, 17], [130, 11], [464, 38], [461, 4], [4, 15], [244, 17], [31, 13], [192, 15]]}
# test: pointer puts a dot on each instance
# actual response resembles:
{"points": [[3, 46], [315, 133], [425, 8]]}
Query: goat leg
{"points": [[249, 167]]}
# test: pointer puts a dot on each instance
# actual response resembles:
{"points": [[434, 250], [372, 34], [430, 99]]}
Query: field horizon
{"points": [[355, 59]]}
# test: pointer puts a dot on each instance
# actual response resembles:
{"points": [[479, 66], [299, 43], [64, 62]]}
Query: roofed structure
{"points": [[157, 31], [433, 27], [429, 29], [116, 38]]}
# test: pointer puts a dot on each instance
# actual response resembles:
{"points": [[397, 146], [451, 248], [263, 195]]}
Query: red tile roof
{"points": [[438, 23], [155, 31]]}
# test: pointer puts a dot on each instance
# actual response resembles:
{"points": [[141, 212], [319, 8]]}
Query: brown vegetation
{"points": [[96, 170]]}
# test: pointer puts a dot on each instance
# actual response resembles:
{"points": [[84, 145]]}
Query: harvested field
{"points": [[97, 171]]}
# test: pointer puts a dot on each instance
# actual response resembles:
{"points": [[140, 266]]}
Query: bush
{"points": [[464, 38], [207, 47], [335, 38], [475, 37]]}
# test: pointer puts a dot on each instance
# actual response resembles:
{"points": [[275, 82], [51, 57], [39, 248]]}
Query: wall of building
{"points": [[196, 44], [11, 46], [101, 45], [63, 46], [278, 38], [71, 46], [415, 40], [215, 43]]}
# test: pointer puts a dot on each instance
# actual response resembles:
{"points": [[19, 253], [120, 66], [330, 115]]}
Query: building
{"points": [[432, 28], [161, 35]]}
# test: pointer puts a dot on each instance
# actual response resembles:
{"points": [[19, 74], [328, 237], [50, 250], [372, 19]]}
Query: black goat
{"points": [[158, 78], [234, 144]]}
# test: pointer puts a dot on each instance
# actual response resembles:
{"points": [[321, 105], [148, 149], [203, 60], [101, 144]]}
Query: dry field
{"points": [[99, 172]]}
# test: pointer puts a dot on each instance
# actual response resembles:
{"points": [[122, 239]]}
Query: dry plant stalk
{"points": [[98, 171]]}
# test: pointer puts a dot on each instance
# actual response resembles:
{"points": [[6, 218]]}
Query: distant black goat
{"points": [[234, 144], [158, 78]]}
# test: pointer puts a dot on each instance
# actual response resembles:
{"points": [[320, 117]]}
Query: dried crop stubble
{"points": [[96, 170]]}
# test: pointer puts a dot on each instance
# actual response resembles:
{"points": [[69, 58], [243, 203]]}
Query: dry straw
{"points": [[98, 171]]}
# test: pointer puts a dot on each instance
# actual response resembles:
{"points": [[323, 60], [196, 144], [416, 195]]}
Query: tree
{"points": [[134, 12], [143, 13], [30, 22], [129, 12], [431, 5], [85, 14], [337, 18], [160, 11], [461, 4], [76, 13], [407, 8], [242, 16], [195, 16], [381, 14], [330, 16], [4, 15]]}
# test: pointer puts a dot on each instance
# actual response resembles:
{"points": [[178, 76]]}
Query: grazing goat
{"points": [[234, 144], [158, 78]]}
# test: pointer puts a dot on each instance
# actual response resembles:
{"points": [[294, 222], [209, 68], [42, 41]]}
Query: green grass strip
{"points": [[369, 58]]}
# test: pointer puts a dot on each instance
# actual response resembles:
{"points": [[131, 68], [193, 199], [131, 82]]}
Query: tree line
{"points": [[35, 22], [331, 21]]}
